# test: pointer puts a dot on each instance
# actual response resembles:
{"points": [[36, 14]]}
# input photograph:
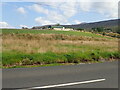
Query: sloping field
{"points": [[42, 47], [75, 33]]}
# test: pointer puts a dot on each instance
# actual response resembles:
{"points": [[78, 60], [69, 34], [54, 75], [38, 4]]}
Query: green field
{"points": [[29, 48], [16, 31]]}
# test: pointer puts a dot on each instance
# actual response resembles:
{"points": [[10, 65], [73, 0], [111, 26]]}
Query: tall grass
{"points": [[38, 44]]}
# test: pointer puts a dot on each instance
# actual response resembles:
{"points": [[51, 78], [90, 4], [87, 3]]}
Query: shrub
{"points": [[117, 55], [69, 58], [26, 61], [95, 56]]}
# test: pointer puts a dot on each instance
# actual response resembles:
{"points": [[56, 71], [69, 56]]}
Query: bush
{"points": [[26, 61], [95, 56], [117, 55]]}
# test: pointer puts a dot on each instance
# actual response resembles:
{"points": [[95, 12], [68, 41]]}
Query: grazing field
{"points": [[45, 47], [29, 31]]}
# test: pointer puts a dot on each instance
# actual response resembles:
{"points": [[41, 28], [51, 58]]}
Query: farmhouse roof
{"points": [[57, 26]]}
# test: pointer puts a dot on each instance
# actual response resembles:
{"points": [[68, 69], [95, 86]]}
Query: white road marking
{"points": [[67, 84]]}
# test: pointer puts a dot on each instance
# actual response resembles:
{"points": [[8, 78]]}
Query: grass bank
{"points": [[20, 59], [28, 48]]}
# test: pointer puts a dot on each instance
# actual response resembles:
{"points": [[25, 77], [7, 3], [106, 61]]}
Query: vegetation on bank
{"points": [[20, 59], [25, 48], [103, 31]]}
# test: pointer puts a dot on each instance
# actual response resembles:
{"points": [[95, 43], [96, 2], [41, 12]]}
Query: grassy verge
{"points": [[30, 66], [19, 59]]}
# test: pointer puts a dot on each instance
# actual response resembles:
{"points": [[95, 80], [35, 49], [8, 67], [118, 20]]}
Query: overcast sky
{"points": [[28, 14]]}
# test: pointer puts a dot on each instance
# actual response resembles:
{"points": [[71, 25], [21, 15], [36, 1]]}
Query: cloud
{"points": [[85, 6], [23, 26], [21, 10], [61, 12], [51, 16], [77, 22], [5, 25], [39, 9], [109, 9], [68, 9], [56, 17], [43, 21]]}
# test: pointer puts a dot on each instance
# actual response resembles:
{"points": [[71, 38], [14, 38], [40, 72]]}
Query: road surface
{"points": [[98, 75]]}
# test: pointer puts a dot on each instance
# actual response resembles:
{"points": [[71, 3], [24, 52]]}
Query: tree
{"points": [[103, 33], [49, 26], [33, 27], [100, 29], [24, 28], [80, 29], [57, 24], [94, 29], [118, 31]]}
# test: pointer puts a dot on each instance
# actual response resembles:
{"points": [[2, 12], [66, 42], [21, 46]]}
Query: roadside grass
{"points": [[20, 59], [30, 66], [32, 48]]}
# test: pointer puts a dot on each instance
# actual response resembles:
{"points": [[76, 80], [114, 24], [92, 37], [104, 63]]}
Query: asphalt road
{"points": [[58, 75]]}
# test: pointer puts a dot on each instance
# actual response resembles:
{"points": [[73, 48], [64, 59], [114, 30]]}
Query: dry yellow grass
{"points": [[28, 43]]}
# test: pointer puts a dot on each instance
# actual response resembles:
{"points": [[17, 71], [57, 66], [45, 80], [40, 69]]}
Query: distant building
{"points": [[58, 27], [54, 27], [61, 28]]}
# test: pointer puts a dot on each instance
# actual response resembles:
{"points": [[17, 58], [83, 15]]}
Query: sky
{"points": [[29, 14]]}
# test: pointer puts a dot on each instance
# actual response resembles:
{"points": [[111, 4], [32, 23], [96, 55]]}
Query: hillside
{"points": [[109, 25]]}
